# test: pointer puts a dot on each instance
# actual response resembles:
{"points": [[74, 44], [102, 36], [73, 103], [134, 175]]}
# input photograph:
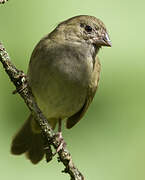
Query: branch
{"points": [[19, 79], [3, 1]]}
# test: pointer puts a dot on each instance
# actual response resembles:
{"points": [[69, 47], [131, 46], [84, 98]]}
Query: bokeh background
{"points": [[109, 142]]}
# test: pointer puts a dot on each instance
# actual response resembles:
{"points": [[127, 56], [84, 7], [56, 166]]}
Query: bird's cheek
{"points": [[95, 40]]}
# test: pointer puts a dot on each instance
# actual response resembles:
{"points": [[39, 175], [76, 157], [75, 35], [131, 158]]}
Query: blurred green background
{"points": [[108, 143]]}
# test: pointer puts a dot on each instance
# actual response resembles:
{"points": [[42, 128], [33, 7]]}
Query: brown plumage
{"points": [[63, 74]]}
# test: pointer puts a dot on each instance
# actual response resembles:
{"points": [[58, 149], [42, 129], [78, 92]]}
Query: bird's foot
{"points": [[62, 143]]}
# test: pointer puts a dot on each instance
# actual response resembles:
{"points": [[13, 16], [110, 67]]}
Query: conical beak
{"points": [[106, 41], [103, 41]]}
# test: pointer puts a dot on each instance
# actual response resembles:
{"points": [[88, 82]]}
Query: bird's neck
{"points": [[61, 38], [94, 50]]}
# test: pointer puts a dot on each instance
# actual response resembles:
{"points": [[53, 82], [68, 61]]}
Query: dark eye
{"points": [[88, 28]]}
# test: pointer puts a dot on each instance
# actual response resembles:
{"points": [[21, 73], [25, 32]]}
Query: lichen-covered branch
{"points": [[3, 1], [19, 79]]}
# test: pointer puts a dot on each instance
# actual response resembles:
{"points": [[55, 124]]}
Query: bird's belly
{"points": [[61, 94], [60, 88], [59, 98]]}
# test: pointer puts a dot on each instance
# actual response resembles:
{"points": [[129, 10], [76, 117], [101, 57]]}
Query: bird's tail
{"points": [[29, 142]]}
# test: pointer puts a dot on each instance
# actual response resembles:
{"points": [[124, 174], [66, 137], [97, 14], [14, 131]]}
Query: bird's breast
{"points": [[60, 81]]}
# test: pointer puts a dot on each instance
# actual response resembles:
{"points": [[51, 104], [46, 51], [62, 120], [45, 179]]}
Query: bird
{"points": [[63, 74]]}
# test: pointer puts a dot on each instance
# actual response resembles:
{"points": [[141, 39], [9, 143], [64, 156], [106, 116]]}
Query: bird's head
{"points": [[84, 29]]}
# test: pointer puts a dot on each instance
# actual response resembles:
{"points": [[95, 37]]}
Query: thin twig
{"points": [[3, 1], [19, 79]]}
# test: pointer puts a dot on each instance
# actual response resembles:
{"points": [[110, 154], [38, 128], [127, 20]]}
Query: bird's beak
{"points": [[106, 40], [103, 41]]}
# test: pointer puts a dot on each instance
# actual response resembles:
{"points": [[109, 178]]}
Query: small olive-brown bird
{"points": [[63, 75]]}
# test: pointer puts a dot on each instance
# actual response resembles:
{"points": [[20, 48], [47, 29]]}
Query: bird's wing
{"points": [[71, 121]]}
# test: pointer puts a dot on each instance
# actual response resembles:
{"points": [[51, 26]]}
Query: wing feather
{"points": [[71, 121]]}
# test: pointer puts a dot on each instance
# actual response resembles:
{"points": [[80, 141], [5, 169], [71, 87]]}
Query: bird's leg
{"points": [[59, 137], [59, 125]]}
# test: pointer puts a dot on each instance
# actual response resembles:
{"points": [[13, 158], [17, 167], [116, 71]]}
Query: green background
{"points": [[109, 142]]}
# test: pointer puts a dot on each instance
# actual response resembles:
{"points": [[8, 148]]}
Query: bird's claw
{"points": [[62, 143]]}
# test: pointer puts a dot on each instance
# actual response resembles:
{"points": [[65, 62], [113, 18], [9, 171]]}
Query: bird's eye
{"points": [[88, 28]]}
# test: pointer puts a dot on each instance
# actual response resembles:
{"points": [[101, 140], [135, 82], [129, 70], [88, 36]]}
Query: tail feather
{"points": [[36, 150], [26, 141]]}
